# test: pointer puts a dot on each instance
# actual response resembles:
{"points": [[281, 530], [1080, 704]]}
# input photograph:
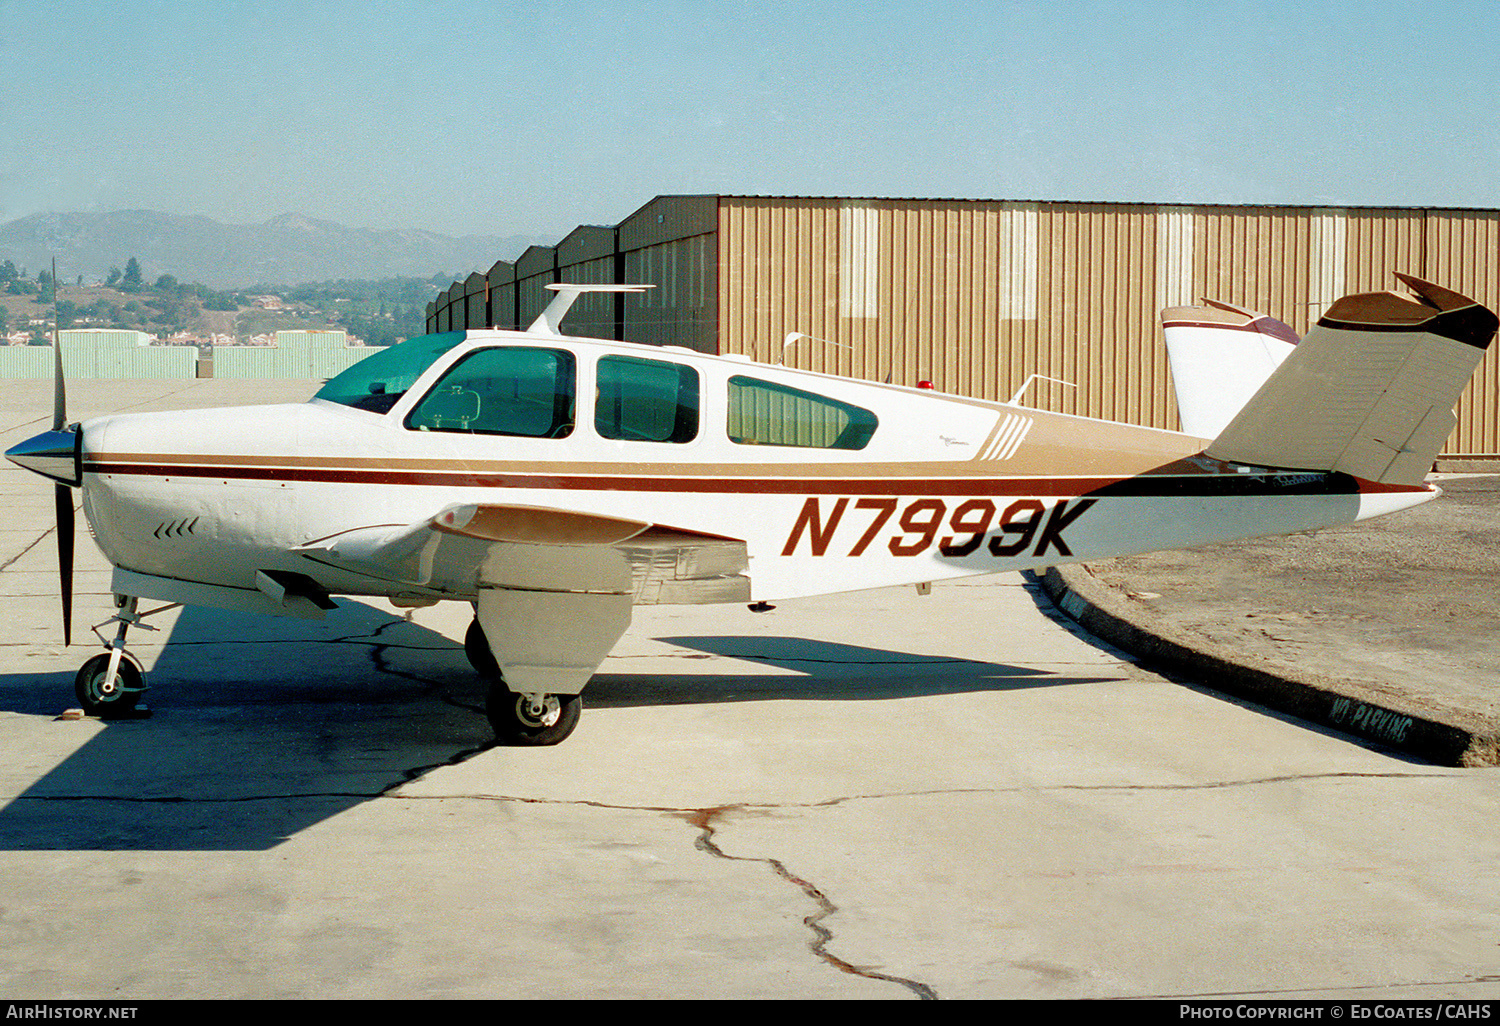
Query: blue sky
{"points": [[493, 118]]}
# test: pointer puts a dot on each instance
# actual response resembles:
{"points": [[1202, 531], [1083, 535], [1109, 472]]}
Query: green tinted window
{"points": [[646, 400], [378, 381], [763, 413], [502, 391]]}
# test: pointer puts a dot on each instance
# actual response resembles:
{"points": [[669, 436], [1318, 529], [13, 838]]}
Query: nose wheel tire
{"points": [[110, 700], [531, 720]]}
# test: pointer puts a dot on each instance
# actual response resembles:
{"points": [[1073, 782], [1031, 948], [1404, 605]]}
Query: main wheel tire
{"points": [[117, 702], [514, 724], [477, 648]]}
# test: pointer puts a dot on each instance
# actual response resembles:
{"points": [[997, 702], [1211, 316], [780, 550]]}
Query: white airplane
{"points": [[554, 482]]}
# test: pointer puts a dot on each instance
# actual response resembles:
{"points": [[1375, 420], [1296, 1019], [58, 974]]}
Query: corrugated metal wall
{"points": [[477, 300], [1461, 249], [101, 354], [535, 270], [975, 296], [502, 279], [670, 243], [89, 361], [587, 256], [972, 296], [296, 354]]}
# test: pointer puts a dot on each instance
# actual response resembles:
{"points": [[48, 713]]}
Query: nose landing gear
{"points": [[110, 685], [107, 691]]}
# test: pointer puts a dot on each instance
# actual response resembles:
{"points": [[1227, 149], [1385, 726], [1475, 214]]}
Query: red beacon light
{"points": [[924, 384]]}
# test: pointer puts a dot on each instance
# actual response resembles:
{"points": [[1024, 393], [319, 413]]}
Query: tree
{"points": [[132, 280], [114, 277]]}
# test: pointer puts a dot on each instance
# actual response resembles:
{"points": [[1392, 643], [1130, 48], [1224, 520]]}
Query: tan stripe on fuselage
{"points": [[1056, 445]]}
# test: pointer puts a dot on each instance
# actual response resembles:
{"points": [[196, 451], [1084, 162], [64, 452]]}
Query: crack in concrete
{"points": [[465, 754], [428, 686], [703, 819], [34, 543]]}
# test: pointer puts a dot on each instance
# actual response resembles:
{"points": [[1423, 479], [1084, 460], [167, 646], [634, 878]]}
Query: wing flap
{"points": [[677, 568]]}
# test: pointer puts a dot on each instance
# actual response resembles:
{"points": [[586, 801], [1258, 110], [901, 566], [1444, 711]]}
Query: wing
{"points": [[463, 547], [554, 588]]}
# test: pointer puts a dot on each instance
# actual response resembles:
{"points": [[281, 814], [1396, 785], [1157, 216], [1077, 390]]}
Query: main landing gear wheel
{"points": [[477, 648], [108, 700], [530, 720]]}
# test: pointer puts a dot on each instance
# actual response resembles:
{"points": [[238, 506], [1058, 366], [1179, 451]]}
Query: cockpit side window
{"points": [[510, 390], [646, 400], [766, 413]]}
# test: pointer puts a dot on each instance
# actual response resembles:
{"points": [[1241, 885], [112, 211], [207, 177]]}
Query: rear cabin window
{"points": [[765, 413], [646, 400], [503, 391]]}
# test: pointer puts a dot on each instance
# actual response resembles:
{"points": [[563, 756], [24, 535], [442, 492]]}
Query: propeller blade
{"points": [[64, 497], [62, 494], [59, 391]]}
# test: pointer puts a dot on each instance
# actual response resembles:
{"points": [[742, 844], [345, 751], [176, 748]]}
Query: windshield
{"points": [[378, 381]]}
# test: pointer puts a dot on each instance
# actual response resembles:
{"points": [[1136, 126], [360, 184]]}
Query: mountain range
{"points": [[286, 250]]}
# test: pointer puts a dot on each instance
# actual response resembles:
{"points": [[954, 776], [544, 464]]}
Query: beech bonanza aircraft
{"points": [[554, 482]]}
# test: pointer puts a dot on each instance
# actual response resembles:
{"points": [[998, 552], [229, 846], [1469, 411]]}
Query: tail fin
{"points": [[1220, 355], [1370, 391]]}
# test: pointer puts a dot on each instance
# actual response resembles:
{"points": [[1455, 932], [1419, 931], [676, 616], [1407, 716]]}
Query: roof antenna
{"points": [[794, 336], [1015, 400]]}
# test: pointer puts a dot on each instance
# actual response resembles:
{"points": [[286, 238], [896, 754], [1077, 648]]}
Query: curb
{"points": [[1107, 615]]}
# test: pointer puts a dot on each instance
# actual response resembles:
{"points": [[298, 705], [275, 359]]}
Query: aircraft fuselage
{"points": [[942, 486]]}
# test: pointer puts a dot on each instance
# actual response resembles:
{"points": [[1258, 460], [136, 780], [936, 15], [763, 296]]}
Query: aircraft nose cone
{"points": [[53, 454]]}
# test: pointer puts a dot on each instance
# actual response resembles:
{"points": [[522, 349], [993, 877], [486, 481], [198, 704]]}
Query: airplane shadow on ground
{"points": [[263, 728], [829, 671]]}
